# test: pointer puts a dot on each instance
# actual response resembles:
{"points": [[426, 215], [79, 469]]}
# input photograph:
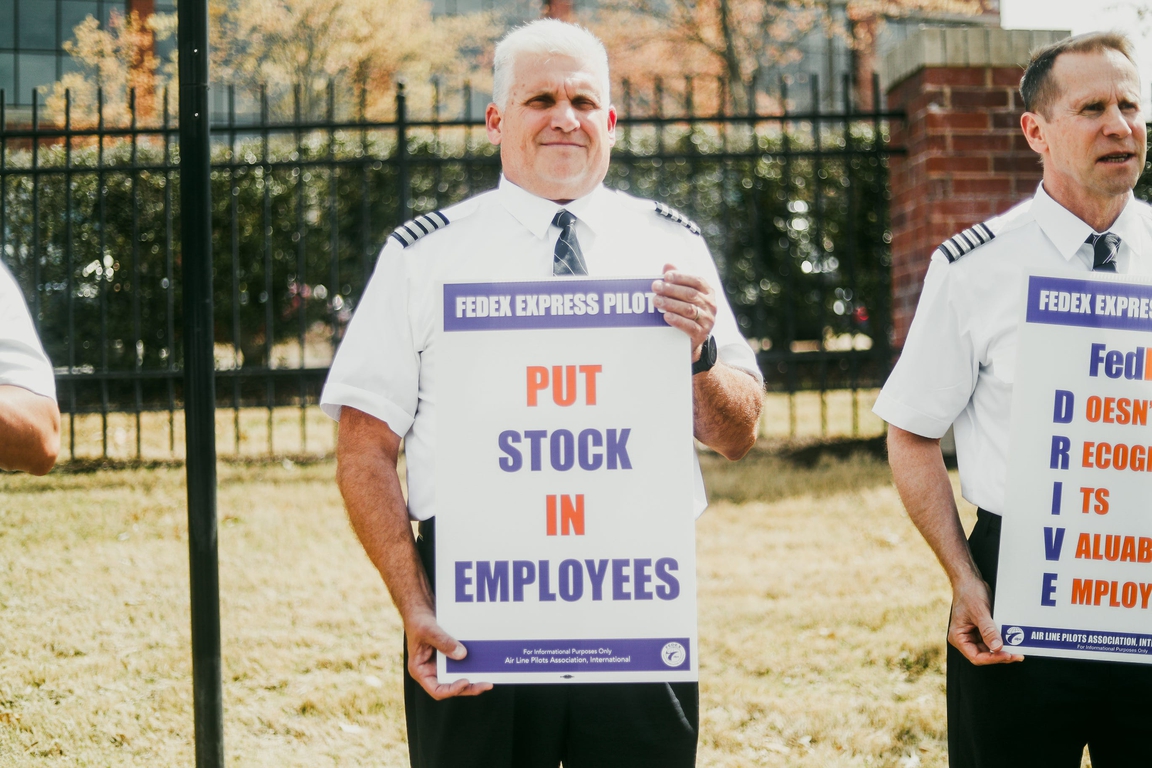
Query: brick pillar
{"points": [[966, 158], [140, 77], [559, 9]]}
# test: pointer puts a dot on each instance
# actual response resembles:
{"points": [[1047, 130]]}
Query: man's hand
{"points": [[689, 303], [425, 637], [29, 430], [971, 629]]}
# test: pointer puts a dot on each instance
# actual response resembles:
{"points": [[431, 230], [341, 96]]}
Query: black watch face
{"points": [[707, 357]]}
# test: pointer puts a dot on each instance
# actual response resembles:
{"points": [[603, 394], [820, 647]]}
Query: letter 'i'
{"points": [[1057, 493], [551, 507]]}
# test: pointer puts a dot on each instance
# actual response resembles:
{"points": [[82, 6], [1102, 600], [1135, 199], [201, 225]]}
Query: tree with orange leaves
{"points": [[730, 40], [280, 44], [114, 64], [364, 43]]}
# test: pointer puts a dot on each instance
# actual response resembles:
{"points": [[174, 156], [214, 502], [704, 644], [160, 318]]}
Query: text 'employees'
{"points": [[501, 581]]}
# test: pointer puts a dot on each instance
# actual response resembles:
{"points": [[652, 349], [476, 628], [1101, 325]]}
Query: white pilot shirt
{"points": [[959, 360], [386, 364], [22, 359]]}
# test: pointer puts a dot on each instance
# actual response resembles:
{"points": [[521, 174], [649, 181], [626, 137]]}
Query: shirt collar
{"points": [[1068, 232], [536, 213]]}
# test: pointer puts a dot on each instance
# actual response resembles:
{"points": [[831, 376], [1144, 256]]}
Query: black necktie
{"points": [[1104, 248], [567, 258]]}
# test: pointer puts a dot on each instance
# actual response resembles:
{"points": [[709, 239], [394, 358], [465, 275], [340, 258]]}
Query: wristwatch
{"points": [[707, 357]]}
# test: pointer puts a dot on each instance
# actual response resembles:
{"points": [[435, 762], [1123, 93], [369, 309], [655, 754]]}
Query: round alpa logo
{"points": [[1014, 636], [673, 654]]}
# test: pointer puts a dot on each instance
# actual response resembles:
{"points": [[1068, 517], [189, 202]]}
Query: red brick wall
{"points": [[143, 7], [558, 9], [966, 161]]}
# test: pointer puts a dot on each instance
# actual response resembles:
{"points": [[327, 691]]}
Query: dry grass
{"points": [[827, 613], [821, 622], [808, 415], [242, 433]]}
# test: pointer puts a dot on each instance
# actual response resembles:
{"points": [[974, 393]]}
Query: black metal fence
{"points": [[793, 206]]}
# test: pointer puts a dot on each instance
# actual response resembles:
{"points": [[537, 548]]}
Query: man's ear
{"points": [[1034, 127], [493, 123], [611, 125]]}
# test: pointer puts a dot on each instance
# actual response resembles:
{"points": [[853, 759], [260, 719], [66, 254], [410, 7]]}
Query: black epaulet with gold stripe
{"points": [[966, 241], [411, 231], [674, 215]]}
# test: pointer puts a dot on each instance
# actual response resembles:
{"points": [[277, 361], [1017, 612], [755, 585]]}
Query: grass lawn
{"points": [[821, 624]]}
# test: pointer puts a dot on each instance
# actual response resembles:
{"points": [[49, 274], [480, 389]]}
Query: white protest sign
{"points": [[1075, 572], [565, 541]]}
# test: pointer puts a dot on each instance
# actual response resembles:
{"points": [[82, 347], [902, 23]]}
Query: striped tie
{"points": [[1104, 248], [567, 258]]}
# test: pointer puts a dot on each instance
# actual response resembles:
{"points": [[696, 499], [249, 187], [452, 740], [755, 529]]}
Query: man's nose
{"points": [[1116, 123], [564, 117]]}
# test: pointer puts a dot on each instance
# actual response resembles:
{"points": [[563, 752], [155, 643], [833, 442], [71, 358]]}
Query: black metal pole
{"points": [[199, 382], [403, 201]]}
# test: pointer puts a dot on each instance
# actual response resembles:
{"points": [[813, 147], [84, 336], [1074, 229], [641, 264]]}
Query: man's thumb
{"points": [[447, 645], [991, 635]]}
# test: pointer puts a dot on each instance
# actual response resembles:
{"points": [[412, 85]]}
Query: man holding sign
{"points": [[550, 216], [958, 366]]}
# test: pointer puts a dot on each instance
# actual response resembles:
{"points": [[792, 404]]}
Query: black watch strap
{"points": [[708, 357]]}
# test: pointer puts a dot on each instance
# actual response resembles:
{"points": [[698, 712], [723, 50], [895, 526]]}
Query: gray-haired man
{"points": [[550, 215]]}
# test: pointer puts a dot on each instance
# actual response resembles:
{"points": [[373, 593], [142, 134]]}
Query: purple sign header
{"points": [[1090, 303], [546, 304], [571, 657]]}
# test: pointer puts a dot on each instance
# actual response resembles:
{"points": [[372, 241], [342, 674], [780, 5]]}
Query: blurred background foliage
{"points": [[800, 240]]}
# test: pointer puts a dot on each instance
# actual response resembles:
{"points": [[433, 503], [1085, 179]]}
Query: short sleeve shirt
{"points": [[22, 359], [959, 360], [386, 364]]}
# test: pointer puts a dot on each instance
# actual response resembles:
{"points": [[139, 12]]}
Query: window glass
{"points": [[7, 23], [164, 50], [37, 70], [72, 13], [8, 76], [37, 25]]}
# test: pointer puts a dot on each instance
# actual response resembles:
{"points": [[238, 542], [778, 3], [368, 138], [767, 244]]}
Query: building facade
{"points": [[33, 34]]}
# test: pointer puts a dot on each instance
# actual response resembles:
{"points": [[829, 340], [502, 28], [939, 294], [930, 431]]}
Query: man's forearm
{"points": [[918, 469], [29, 430], [366, 456], [726, 410], [922, 480]]}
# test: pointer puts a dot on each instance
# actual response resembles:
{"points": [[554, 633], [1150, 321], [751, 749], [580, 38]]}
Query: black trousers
{"points": [[1042, 712], [617, 725]]}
